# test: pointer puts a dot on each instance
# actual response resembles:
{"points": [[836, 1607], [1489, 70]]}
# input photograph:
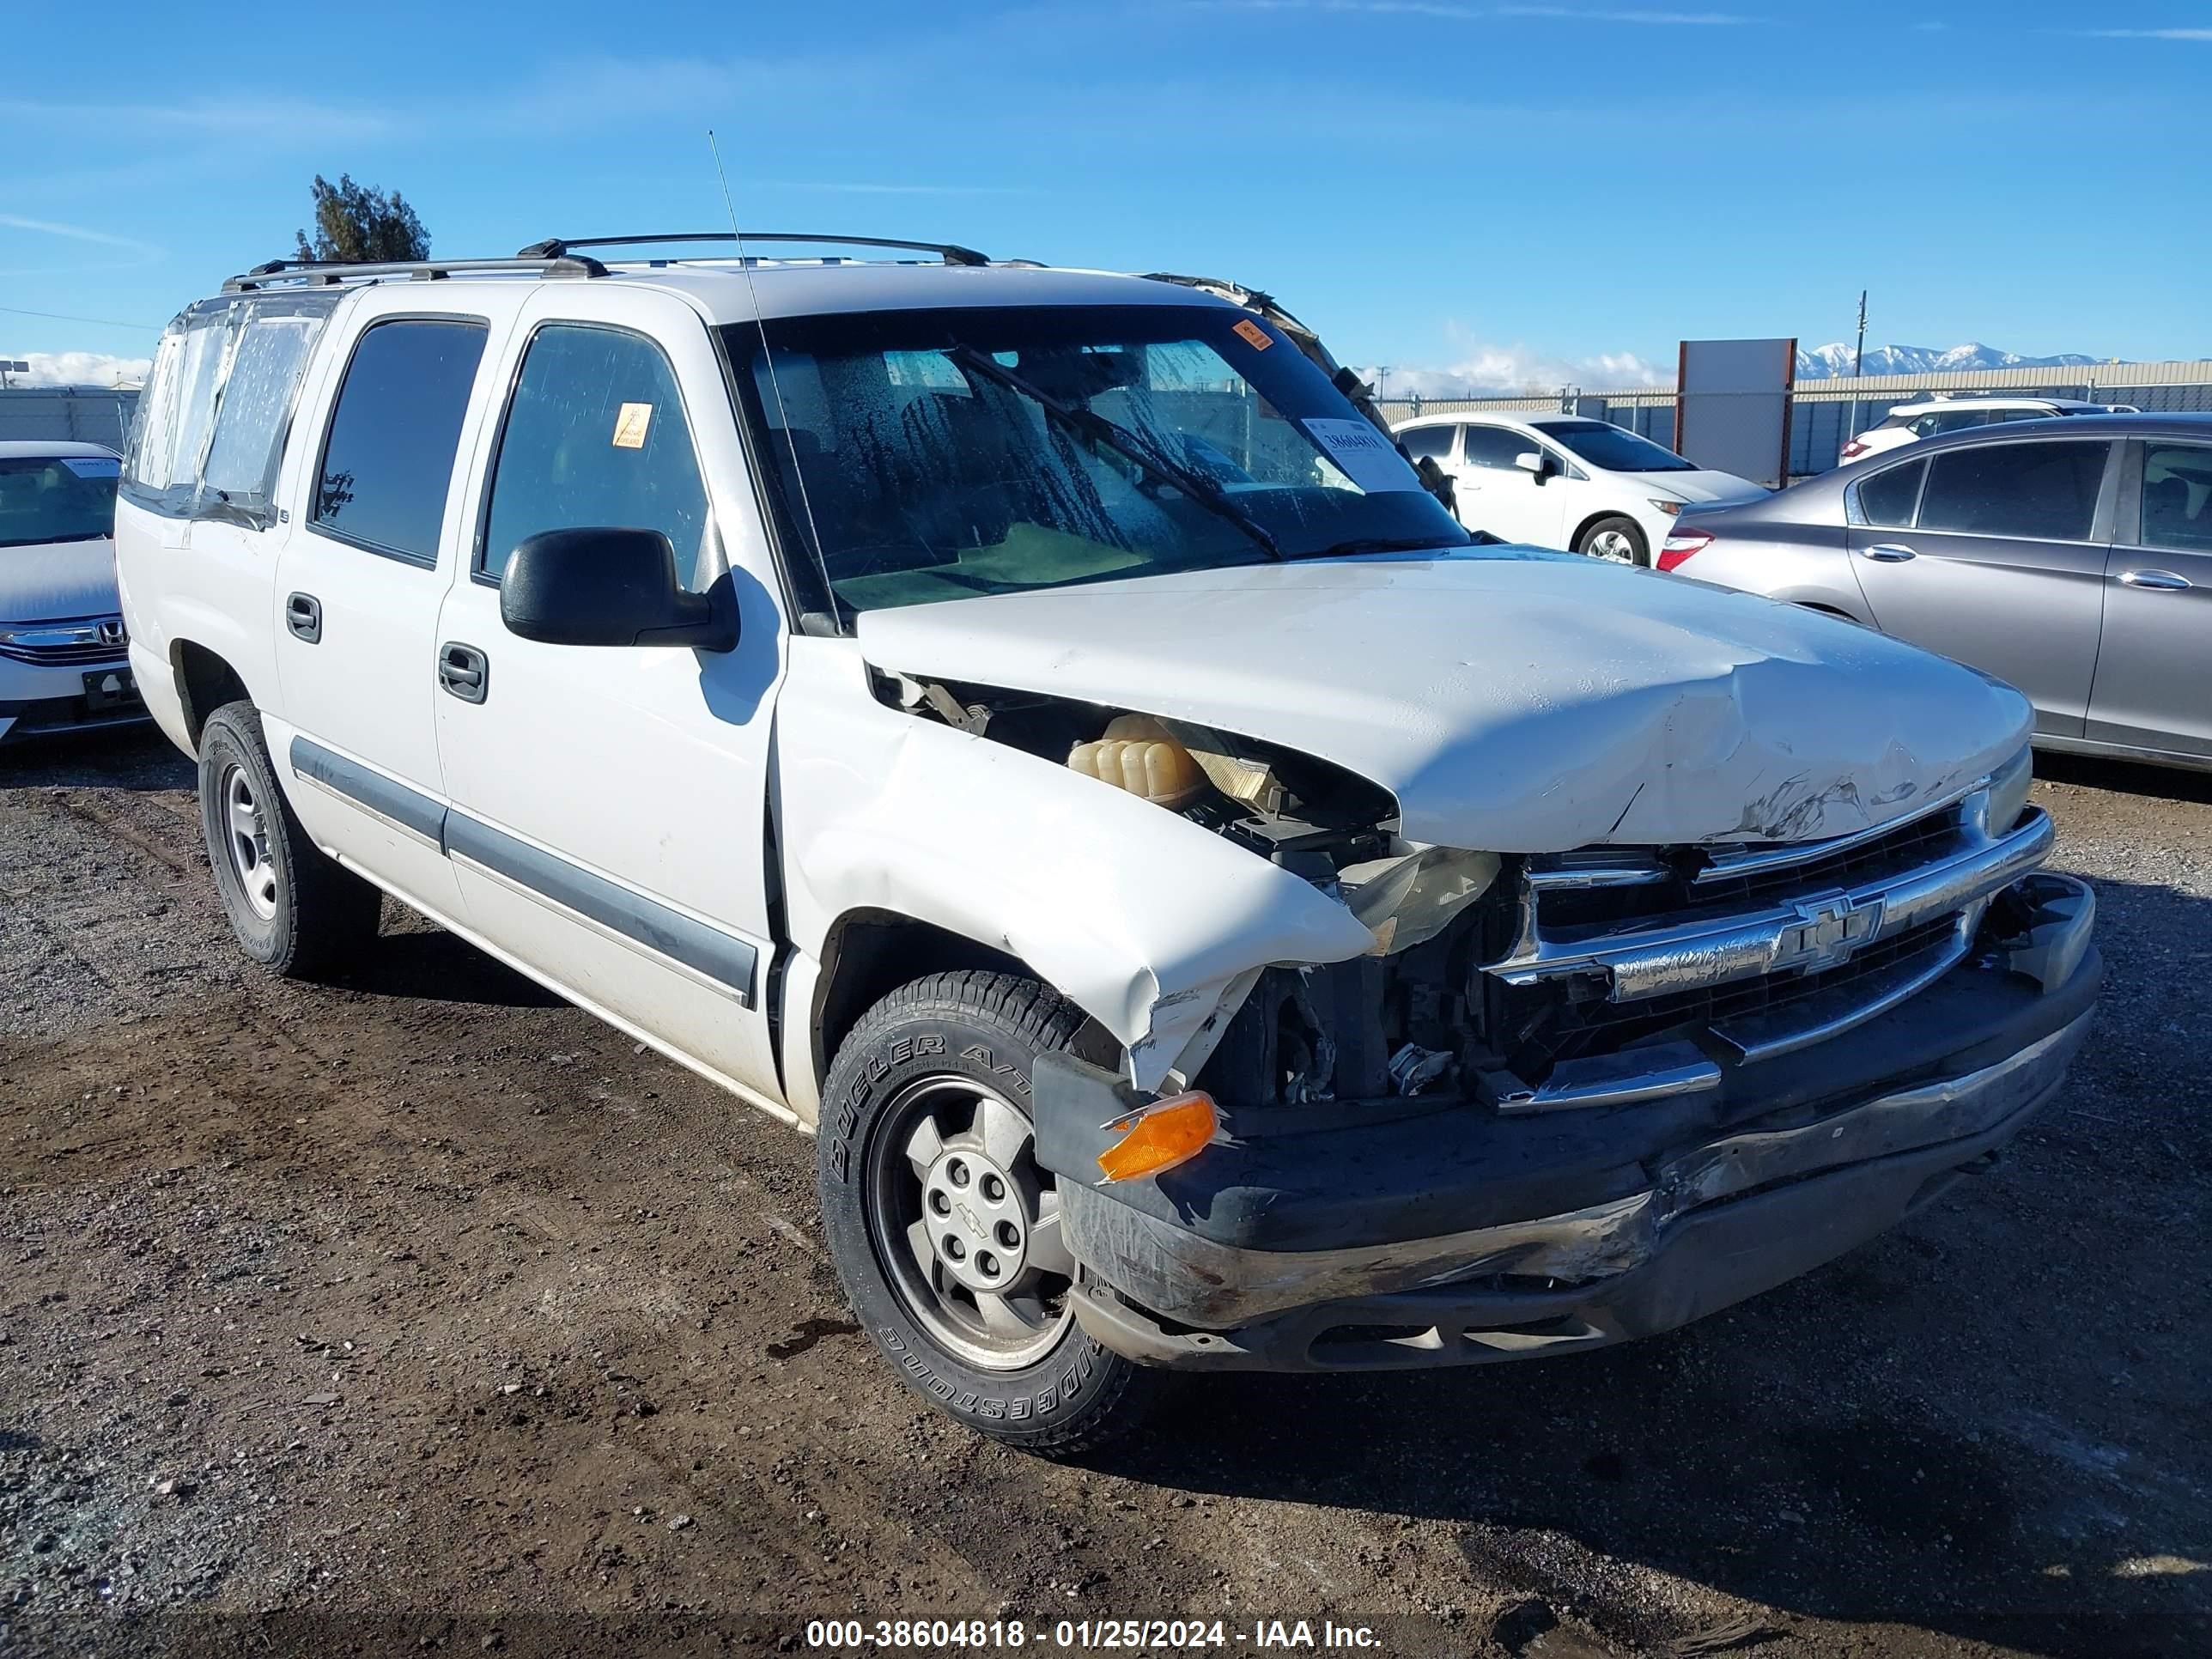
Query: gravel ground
{"points": [[424, 1312]]}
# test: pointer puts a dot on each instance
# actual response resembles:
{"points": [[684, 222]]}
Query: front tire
{"points": [[1616, 540], [945, 1232], [297, 912]]}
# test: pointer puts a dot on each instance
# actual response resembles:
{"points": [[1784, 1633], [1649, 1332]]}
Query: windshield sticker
{"points": [[1252, 334], [1363, 454], [631, 420], [92, 466]]}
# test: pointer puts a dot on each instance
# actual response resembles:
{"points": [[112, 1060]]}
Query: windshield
{"points": [[936, 454], [56, 498], [1614, 448]]}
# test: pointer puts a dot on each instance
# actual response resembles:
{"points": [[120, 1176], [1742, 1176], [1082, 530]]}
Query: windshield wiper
{"points": [[1120, 439]]}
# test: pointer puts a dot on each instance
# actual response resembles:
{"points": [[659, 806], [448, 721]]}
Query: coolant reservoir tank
{"points": [[1136, 753]]}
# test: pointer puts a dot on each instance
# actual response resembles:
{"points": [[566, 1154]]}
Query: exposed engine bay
{"points": [[1405, 1020], [1529, 982]]}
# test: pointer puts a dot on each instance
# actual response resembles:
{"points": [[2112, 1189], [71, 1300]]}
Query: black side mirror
{"points": [[600, 586]]}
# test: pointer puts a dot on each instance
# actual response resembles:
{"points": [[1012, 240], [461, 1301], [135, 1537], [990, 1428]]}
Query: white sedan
{"points": [[63, 665], [1565, 481]]}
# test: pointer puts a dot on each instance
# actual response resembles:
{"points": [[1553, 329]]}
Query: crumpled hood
{"points": [[1701, 486], [57, 580], [1513, 701]]}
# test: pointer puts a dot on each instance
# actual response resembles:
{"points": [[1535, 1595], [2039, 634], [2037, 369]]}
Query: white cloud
{"points": [[2139, 34], [80, 368], [242, 114], [1488, 370]]}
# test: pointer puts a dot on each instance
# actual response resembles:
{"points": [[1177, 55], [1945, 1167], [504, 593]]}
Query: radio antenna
{"points": [[775, 388]]}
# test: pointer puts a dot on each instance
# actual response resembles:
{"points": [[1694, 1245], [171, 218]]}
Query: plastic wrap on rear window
{"points": [[152, 431], [266, 365], [209, 436]]}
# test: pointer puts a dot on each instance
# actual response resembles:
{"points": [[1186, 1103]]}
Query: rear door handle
{"points": [[1887, 553], [464, 671], [303, 615], [2157, 582]]}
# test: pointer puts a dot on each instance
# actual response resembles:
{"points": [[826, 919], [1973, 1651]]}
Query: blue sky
{"points": [[1516, 189]]}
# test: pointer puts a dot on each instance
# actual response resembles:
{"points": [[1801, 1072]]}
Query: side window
{"points": [[1493, 447], [2177, 497], [2042, 491], [256, 404], [1935, 424], [1889, 497], [1428, 443], [153, 430], [595, 435], [388, 460], [194, 408]]}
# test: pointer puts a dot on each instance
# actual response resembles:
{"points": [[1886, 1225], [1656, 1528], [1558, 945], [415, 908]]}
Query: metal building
{"points": [[84, 414]]}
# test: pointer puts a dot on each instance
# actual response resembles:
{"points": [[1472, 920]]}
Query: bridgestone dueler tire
{"points": [[990, 1027], [327, 917]]}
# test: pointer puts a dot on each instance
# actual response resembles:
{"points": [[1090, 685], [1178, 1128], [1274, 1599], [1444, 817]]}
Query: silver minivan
{"points": [[2071, 557]]}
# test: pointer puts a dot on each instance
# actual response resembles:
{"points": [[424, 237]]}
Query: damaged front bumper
{"points": [[1463, 1236]]}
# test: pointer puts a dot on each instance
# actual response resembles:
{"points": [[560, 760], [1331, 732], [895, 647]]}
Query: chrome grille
{"points": [[60, 645], [1762, 949]]}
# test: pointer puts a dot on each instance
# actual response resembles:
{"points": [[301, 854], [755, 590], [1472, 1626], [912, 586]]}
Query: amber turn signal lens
{"points": [[1173, 1131]]}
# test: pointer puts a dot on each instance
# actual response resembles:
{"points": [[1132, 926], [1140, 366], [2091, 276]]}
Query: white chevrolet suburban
{"points": [[1030, 728]]}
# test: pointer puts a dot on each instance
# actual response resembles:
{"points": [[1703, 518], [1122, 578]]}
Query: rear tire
{"points": [[1618, 540], [297, 912], [944, 1231]]}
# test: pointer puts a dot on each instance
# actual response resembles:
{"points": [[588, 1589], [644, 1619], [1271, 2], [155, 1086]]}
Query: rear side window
{"points": [[2041, 491], [1495, 447], [388, 460], [2177, 497], [595, 437], [209, 437], [1889, 497], [1427, 443], [266, 366], [1949, 419]]}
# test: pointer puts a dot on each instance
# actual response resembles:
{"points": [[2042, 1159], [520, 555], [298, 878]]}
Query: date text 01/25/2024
{"points": [[949, 1635]]}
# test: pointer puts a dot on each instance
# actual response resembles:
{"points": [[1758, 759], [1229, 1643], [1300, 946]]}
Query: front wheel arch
{"points": [[1641, 539]]}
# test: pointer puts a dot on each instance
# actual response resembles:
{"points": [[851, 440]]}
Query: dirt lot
{"points": [[424, 1312]]}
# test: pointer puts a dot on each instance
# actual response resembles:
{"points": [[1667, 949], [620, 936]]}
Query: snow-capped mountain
{"points": [[1828, 362]]}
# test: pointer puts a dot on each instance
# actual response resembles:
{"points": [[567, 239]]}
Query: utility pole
{"points": [[1381, 373], [1859, 357]]}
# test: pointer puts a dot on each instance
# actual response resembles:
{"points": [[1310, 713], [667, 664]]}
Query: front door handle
{"points": [[2156, 581], [303, 615], [464, 671], [1887, 553]]}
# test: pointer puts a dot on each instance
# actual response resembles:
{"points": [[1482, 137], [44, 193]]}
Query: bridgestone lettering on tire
{"points": [[945, 1232], [296, 911]]}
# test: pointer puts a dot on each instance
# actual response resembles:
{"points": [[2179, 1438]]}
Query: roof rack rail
{"points": [[325, 273], [952, 253]]}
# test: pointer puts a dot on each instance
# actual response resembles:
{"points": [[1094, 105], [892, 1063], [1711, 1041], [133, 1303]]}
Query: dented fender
{"points": [[1146, 921]]}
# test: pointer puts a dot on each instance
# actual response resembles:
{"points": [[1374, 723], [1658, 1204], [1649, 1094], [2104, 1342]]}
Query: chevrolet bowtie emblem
{"points": [[1826, 932]]}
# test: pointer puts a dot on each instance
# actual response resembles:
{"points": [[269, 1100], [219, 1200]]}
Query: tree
{"points": [[359, 224]]}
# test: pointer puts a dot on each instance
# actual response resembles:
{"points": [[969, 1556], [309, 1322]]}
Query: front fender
{"points": [[1141, 917]]}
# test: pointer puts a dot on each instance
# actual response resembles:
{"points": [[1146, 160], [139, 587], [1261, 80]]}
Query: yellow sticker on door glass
{"points": [[630, 422], [1252, 335]]}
